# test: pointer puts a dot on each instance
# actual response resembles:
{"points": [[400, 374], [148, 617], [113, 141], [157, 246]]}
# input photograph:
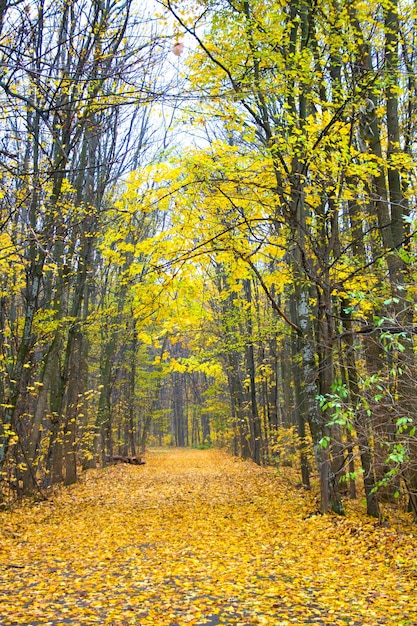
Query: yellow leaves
{"points": [[212, 369], [278, 278], [145, 338], [198, 537], [11, 266], [7, 248], [178, 366], [365, 165], [66, 187], [112, 256], [401, 161]]}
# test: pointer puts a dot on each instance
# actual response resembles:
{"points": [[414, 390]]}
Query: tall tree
{"points": [[75, 75]]}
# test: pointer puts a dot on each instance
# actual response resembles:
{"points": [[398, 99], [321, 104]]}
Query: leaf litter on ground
{"points": [[198, 537]]}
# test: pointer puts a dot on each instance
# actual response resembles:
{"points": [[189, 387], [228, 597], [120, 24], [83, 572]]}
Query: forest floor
{"points": [[198, 537]]}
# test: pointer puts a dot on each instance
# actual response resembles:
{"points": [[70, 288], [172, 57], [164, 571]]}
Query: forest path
{"points": [[197, 537]]}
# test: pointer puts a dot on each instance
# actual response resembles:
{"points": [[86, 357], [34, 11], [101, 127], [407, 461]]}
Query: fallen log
{"points": [[117, 458]]}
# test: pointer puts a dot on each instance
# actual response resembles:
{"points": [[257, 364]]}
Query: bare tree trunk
{"points": [[74, 388], [362, 425], [254, 421]]}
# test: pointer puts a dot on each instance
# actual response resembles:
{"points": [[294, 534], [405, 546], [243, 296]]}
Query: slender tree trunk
{"points": [[74, 389], [254, 421], [237, 400], [361, 424]]}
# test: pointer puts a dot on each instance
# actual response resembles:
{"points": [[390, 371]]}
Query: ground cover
{"points": [[197, 537]]}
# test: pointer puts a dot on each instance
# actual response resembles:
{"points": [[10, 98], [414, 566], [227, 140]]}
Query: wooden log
{"points": [[117, 458]]}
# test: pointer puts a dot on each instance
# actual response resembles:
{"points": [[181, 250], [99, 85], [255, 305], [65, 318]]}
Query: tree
{"points": [[305, 83], [75, 81]]}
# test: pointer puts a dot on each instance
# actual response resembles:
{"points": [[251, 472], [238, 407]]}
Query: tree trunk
{"points": [[254, 421]]}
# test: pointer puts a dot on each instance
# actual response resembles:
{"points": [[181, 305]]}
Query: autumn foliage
{"points": [[208, 237], [199, 537]]}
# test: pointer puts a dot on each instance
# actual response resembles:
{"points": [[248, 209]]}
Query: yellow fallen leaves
{"points": [[197, 537]]}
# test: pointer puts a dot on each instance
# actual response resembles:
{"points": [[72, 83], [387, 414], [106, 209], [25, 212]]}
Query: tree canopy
{"points": [[207, 229]]}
